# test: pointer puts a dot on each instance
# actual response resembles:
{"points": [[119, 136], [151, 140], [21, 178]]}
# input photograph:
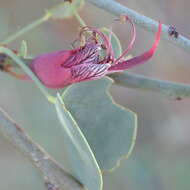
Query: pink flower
{"points": [[65, 67]]}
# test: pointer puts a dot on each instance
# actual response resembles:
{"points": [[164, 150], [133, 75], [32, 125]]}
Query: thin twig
{"points": [[171, 89], [49, 185], [26, 29], [49, 167], [141, 20]]}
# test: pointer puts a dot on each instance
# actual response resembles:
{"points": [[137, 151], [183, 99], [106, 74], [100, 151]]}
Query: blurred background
{"points": [[161, 158]]}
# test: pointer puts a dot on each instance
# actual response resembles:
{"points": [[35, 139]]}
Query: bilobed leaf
{"points": [[66, 9], [109, 128], [82, 164]]}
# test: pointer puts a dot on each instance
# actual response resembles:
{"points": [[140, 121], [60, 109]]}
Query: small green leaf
{"points": [[23, 49], [66, 9], [114, 41], [109, 128], [81, 160]]}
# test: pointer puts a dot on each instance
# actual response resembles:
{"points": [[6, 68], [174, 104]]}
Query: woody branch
{"points": [[169, 89], [52, 171], [142, 21]]}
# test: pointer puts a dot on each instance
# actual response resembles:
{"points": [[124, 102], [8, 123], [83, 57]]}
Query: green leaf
{"points": [[114, 41], [66, 9], [23, 49], [109, 128], [83, 165]]}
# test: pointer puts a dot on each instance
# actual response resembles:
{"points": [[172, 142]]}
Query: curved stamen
{"points": [[111, 55], [132, 40], [141, 58], [105, 39]]}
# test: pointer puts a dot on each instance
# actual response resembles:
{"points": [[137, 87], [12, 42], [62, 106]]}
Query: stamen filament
{"points": [[138, 59], [131, 42]]}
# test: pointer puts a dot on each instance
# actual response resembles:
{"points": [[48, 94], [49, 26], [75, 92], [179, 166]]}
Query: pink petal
{"points": [[139, 59], [87, 54], [48, 69], [85, 72]]}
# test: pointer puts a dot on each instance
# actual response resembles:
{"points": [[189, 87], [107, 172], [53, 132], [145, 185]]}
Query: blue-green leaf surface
{"points": [[109, 128], [82, 163]]}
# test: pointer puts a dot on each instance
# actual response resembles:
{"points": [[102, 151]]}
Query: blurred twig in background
{"points": [[141, 20], [171, 89], [39, 158]]}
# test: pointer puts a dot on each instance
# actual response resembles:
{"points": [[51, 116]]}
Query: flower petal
{"points": [[139, 59], [89, 53], [88, 71], [132, 39]]}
